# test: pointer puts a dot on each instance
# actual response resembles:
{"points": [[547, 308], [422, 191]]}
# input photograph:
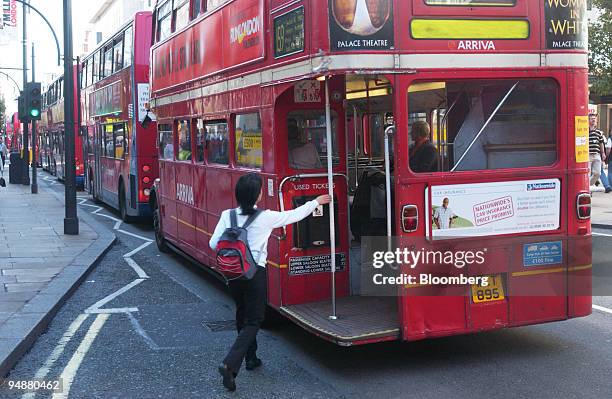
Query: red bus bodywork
{"points": [[113, 105], [52, 132], [233, 61]]}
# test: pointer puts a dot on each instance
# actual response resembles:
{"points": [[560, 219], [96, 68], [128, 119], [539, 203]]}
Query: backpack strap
{"points": [[233, 218], [251, 219]]}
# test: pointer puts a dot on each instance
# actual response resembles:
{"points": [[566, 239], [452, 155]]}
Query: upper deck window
{"points": [[127, 47], [181, 14], [108, 61], [471, 3], [212, 4], [482, 124], [118, 54], [197, 8], [164, 20]]}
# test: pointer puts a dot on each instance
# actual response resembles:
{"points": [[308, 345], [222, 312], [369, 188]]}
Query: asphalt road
{"points": [[173, 324]]}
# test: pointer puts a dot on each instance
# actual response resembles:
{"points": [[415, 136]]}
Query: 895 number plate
{"points": [[494, 291]]}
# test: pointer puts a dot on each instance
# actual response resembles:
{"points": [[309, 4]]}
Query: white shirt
{"points": [[444, 215], [261, 228]]}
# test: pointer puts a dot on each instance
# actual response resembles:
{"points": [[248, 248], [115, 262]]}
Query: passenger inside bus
{"points": [[423, 154], [184, 153], [302, 153]]}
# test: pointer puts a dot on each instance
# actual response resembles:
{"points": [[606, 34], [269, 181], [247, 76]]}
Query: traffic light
{"points": [[21, 109], [33, 100]]}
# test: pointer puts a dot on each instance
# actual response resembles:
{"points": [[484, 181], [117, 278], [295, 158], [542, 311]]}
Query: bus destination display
{"points": [[289, 33]]}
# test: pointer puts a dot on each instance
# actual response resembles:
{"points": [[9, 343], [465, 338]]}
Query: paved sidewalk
{"points": [[601, 211], [39, 265]]}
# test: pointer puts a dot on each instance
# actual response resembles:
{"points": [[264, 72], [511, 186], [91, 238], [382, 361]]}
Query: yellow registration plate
{"points": [[494, 291]]}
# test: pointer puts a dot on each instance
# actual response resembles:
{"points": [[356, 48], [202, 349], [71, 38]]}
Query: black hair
{"points": [[248, 188]]}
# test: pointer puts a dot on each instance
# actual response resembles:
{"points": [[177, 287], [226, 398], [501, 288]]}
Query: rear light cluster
{"points": [[410, 218], [583, 206], [146, 180]]}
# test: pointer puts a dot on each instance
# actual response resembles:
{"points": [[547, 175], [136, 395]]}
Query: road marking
{"points": [[96, 306], [73, 365], [57, 351], [141, 273], [602, 309], [112, 310], [117, 225], [135, 235], [140, 248], [601, 234]]}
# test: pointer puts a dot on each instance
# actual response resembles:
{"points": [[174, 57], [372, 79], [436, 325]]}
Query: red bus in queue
{"points": [[52, 132], [246, 85], [120, 139]]}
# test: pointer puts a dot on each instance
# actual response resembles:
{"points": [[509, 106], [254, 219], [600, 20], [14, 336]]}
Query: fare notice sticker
{"points": [[582, 139]]}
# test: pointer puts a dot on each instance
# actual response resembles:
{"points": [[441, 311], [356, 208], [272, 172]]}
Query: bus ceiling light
{"points": [[583, 206], [410, 218], [321, 78]]}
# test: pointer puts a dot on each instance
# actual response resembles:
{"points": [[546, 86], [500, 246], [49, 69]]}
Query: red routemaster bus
{"points": [[53, 135], [501, 88], [120, 139]]}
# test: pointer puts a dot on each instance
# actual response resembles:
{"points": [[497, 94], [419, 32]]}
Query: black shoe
{"points": [[253, 364], [228, 377], [608, 189]]}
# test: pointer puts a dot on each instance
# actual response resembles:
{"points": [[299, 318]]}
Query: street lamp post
{"points": [[34, 139], [71, 221], [25, 177]]}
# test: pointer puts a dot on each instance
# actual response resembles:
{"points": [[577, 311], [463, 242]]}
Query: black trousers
{"points": [[250, 299]]}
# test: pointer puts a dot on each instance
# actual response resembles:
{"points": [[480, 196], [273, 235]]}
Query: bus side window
{"points": [[248, 141], [217, 142], [109, 142], [183, 128], [120, 140], [200, 139], [166, 146]]}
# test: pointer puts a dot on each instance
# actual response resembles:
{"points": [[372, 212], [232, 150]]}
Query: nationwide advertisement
{"points": [[566, 24], [361, 25], [483, 209]]}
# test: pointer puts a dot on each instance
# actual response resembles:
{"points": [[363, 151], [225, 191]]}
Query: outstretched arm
{"points": [[280, 219]]}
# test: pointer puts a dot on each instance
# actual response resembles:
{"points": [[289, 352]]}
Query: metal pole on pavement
{"points": [[25, 176], [34, 138], [71, 222]]}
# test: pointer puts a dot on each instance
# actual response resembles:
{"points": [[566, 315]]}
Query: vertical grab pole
{"points": [[388, 131], [330, 183]]}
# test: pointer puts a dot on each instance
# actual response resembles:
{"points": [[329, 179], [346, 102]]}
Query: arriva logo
{"points": [[245, 29], [476, 45], [184, 193]]}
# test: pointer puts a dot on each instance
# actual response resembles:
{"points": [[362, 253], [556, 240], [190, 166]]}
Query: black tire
{"points": [[122, 205], [160, 241]]}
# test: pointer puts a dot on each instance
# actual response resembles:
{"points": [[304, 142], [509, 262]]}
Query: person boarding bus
{"points": [[250, 295]]}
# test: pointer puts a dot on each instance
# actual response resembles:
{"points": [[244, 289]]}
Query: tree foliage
{"points": [[600, 49]]}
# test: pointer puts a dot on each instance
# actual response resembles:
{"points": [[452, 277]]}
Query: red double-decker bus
{"points": [[120, 138], [52, 132], [446, 127]]}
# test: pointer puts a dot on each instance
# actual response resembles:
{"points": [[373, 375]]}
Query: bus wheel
{"points": [[123, 206], [162, 245]]}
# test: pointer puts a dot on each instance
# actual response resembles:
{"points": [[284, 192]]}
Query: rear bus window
{"points": [[216, 142], [248, 141], [482, 124], [166, 146]]}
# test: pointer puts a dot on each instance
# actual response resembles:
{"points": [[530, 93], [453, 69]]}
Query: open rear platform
{"points": [[361, 319]]}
